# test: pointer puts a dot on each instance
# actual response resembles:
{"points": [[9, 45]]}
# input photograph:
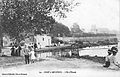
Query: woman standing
{"points": [[32, 55]]}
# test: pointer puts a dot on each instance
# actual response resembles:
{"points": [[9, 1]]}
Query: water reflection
{"points": [[94, 52]]}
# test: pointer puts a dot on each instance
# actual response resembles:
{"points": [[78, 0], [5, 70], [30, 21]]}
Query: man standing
{"points": [[19, 50], [12, 51], [26, 54]]}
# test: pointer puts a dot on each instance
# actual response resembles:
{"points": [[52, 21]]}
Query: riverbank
{"points": [[8, 62], [11, 61], [94, 54]]}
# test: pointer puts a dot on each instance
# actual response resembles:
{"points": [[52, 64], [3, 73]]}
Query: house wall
{"points": [[6, 41], [42, 40]]}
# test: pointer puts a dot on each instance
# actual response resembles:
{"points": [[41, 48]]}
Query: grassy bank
{"points": [[94, 58], [9, 61], [6, 61]]}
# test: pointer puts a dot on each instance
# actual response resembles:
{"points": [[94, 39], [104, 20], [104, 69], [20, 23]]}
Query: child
{"points": [[107, 59], [32, 55]]}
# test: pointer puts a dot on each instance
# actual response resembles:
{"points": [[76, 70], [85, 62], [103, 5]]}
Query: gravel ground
{"points": [[61, 67]]}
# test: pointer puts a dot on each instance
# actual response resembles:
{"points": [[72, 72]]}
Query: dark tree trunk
{"points": [[1, 36], [1, 39]]}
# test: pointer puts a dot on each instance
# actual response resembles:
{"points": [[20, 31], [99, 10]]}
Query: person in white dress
{"points": [[32, 55]]}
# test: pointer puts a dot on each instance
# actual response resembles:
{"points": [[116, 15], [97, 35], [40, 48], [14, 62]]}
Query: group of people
{"points": [[29, 54], [110, 60], [16, 50]]}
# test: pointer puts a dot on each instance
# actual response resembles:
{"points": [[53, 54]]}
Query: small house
{"points": [[42, 40]]}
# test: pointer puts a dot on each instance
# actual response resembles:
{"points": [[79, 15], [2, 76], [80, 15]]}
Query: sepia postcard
{"points": [[59, 38]]}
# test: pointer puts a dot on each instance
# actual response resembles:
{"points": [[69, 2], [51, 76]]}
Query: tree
{"points": [[30, 15], [76, 29], [60, 30]]}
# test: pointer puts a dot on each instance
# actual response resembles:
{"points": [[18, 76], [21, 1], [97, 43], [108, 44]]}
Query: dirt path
{"points": [[64, 67]]}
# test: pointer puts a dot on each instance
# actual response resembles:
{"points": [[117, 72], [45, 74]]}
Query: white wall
{"points": [[6, 41], [43, 40]]}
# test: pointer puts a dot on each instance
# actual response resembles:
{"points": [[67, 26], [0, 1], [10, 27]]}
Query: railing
{"points": [[65, 50]]}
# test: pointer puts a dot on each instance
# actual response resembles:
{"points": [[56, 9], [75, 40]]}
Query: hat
{"points": [[109, 50], [115, 51]]}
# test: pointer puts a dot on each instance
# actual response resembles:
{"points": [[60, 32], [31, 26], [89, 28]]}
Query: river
{"points": [[100, 51]]}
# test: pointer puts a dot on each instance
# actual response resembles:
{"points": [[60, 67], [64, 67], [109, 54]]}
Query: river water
{"points": [[99, 51], [94, 52]]}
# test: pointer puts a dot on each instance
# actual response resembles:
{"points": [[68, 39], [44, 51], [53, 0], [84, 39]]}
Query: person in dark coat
{"points": [[26, 54], [12, 51], [19, 50], [35, 46]]}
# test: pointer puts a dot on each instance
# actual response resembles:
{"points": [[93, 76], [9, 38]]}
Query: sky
{"points": [[102, 13]]}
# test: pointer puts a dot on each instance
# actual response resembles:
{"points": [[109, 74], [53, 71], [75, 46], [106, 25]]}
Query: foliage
{"points": [[60, 30], [76, 29], [54, 40], [20, 16]]}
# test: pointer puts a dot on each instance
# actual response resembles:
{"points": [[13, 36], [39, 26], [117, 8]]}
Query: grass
{"points": [[94, 58], [10, 61]]}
